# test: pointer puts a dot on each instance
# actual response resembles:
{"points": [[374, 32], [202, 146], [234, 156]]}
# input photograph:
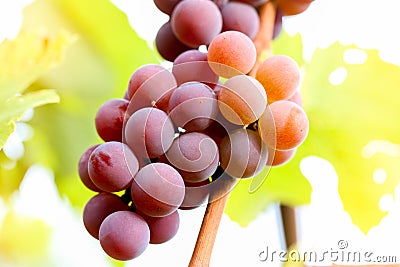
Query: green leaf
{"points": [[15, 106], [26, 58], [351, 120], [291, 46], [6, 128], [282, 184]]}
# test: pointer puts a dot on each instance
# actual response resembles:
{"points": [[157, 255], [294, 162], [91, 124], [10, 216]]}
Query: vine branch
{"points": [[263, 38]]}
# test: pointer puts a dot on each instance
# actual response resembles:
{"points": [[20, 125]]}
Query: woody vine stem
{"points": [[208, 232]]}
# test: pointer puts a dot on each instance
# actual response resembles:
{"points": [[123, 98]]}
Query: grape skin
{"points": [[191, 66], [109, 119], [284, 126], [157, 190], [83, 169], [186, 18], [194, 155], [280, 76], [240, 17], [149, 132], [112, 166], [253, 2], [243, 154], [150, 85], [242, 99], [168, 46], [293, 7], [280, 157], [231, 53], [195, 194], [162, 229], [166, 6], [124, 235], [98, 208], [193, 106]]}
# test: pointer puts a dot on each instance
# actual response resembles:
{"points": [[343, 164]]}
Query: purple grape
{"points": [[196, 22], [124, 235], [194, 155], [162, 229], [112, 166], [196, 194], [240, 17], [220, 3], [166, 6], [110, 119], [83, 169], [157, 190], [168, 46], [253, 2], [193, 106], [149, 132], [278, 23], [98, 208], [192, 65], [150, 85], [243, 154]]}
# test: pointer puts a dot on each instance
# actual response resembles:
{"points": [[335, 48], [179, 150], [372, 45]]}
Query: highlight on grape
{"points": [[182, 138]]}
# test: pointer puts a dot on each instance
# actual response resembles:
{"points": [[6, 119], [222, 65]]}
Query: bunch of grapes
{"points": [[181, 138]]}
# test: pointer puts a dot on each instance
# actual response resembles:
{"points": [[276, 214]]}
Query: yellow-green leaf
{"points": [[27, 57], [354, 125]]}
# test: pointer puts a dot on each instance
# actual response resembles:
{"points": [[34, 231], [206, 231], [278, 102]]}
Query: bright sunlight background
{"points": [[368, 24]]}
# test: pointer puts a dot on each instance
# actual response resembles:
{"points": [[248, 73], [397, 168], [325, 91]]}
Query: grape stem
{"points": [[263, 39], [208, 232]]}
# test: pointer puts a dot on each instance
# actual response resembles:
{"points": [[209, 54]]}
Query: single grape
{"points": [[192, 65], [196, 194], [110, 119], [219, 128], [231, 53], [243, 154], [193, 106], [124, 235], [296, 98], [220, 3], [98, 208], [150, 85], [157, 190], [162, 229], [242, 99], [240, 17], [83, 169], [280, 76], [196, 22], [168, 46], [194, 155], [284, 125], [279, 157], [253, 2], [149, 132], [112, 166], [293, 7], [166, 6]]}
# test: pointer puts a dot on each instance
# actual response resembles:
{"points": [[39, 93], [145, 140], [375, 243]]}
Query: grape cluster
{"points": [[183, 137]]}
